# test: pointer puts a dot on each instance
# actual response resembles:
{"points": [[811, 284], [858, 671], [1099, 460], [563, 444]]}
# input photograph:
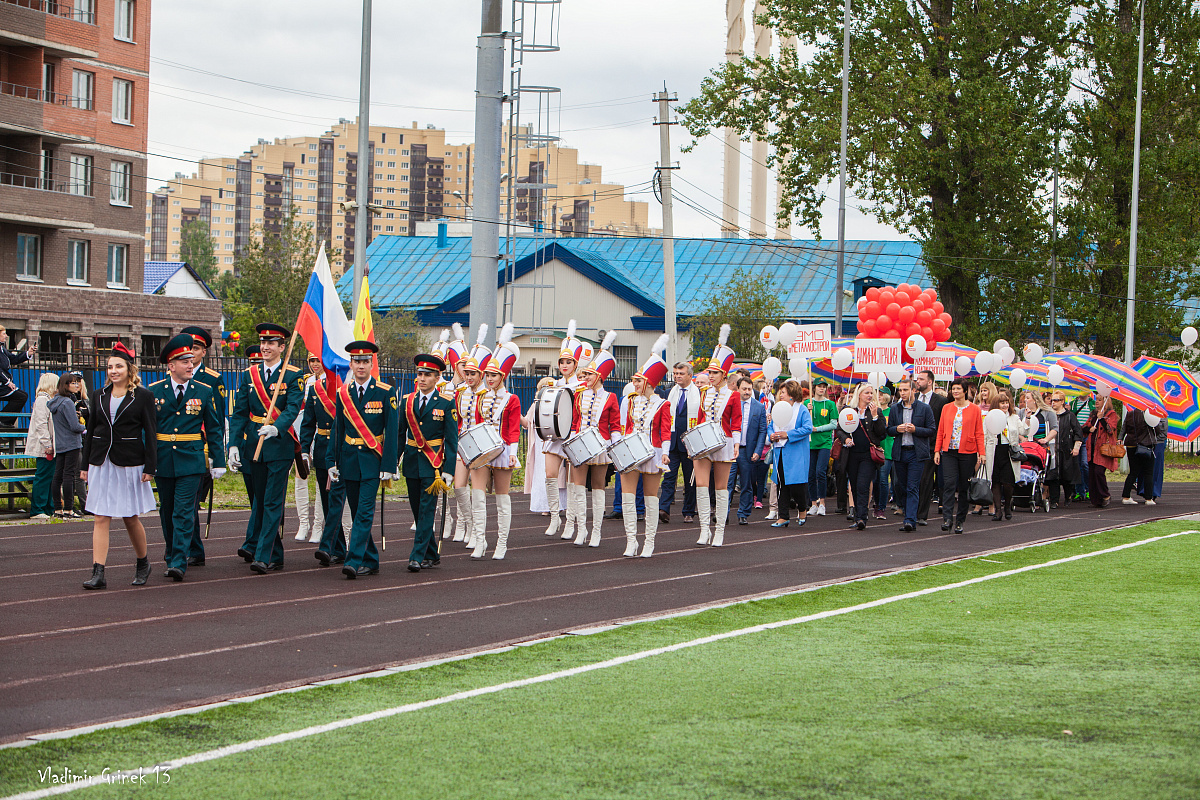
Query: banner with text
{"points": [[812, 341], [876, 355], [939, 362]]}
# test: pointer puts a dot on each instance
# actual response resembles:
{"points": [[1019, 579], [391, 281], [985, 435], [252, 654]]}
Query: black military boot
{"points": [[143, 571], [97, 580]]}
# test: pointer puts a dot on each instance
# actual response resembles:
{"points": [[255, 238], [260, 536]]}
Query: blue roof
{"points": [[414, 273], [155, 275]]}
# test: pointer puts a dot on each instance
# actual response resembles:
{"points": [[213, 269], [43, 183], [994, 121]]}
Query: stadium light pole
{"points": [[1131, 292], [362, 216], [841, 249]]}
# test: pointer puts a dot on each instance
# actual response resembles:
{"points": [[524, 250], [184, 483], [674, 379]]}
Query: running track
{"points": [[70, 658]]}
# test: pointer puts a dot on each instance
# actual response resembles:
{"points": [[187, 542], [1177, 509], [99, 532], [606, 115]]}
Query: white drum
{"points": [[631, 452], [554, 412], [584, 446], [479, 444], [704, 439]]}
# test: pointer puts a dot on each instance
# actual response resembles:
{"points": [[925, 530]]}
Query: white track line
{"points": [[316, 730]]}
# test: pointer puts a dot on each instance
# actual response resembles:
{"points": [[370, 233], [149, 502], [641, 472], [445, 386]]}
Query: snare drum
{"points": [[704, 439], [479, 444], [554, 412], [584, 446], [631, 452]]}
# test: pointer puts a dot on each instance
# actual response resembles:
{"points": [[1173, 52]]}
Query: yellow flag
{"points": [[364, 330]]}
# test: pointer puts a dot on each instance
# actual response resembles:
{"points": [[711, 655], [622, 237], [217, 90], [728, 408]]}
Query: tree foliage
{"points": [[197, 249], [746, 302]]}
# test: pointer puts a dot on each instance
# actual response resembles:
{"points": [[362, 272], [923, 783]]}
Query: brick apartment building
{"points": [[74, 89]]}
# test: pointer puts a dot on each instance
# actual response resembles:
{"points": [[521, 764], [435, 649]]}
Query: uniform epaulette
{"points": [[385, 386], [158, 383], [213, 372], [293, 368]]}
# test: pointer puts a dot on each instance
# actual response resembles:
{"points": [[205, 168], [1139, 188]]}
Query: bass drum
{"points": [[554, 412], [479, 444]]}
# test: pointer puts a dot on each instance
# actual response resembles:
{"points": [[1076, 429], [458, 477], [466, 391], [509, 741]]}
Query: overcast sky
{"points": [[209, 59]]}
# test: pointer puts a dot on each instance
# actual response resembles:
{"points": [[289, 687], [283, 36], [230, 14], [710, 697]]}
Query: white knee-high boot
{"points": [[703, 512], [580, 515], [629, 517], [722, 514], [479, 517], [552, 499], [598, 516], [462, 499], [572, 512], [503, 523], [651, 525]]}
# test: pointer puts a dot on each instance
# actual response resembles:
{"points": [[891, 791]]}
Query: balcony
{"points": [[49, 25], [29, 200], [55, 9], [29, 110]]}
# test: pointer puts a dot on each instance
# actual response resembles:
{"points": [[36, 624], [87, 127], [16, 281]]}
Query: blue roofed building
{"points": [[616, 283]]}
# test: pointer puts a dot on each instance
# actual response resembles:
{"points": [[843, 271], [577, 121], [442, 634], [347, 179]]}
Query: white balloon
{"points": [[782, 414], [848, 420], [983, 362], [1017, 379], [876, 379], [1103, 388], [772, 367], [999, 345], [1032, 421], [787, 334], [798, 367], [842, 358], [1006, 355], [1188, 337], [962, 365], [1151, 419], [769, 337], [1034, 353], [1055, 374], [995, 421], [894, 374], [916, 345]]}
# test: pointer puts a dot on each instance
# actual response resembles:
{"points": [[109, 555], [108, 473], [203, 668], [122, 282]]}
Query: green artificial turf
{"points": [[967, 693]]}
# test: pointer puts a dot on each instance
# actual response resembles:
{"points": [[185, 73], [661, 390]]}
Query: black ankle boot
{"points": [[143, 571], [97, 580]]}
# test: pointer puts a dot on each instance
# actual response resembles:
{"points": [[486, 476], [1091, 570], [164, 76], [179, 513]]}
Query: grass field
{"points": [[1078, 680]]}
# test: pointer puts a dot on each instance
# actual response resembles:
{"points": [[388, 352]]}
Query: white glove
{"points": [[334, 475], [235, 458], [448, 478], [307, 460], [268, 431], [217, 473], [385, 476]]}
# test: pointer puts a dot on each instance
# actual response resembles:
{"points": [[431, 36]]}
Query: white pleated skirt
{"points": [[554, 447], [723, 454], [654, 465], [118, 491]]}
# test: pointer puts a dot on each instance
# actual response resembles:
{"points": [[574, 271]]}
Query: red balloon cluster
{"points": [[899, 312]]}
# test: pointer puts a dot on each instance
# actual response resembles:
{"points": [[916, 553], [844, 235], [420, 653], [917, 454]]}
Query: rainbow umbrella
{"points": [[1180, 393], [1129, 386], [755, 370], [1037, 376], [823, 367]]}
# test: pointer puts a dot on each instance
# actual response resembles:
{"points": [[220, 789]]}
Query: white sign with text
{"points": [[877, 355], [939, 362], [812, 341]]}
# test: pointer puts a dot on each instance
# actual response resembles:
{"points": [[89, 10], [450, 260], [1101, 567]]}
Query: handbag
{"points": [[877, 454], [980, 488], [1112, 449], [1145, 452], [836, 450]]}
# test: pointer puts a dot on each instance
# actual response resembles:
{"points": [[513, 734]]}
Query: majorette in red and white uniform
{"points": [[650, 415], [722, 404], [466, 399], [581, 353], [600, 408], [501, 408]]}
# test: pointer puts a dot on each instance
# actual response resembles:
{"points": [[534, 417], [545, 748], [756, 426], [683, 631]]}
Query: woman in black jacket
{"points": [[120, 450], [1069, 441], [1139, 439], [861, 469]]}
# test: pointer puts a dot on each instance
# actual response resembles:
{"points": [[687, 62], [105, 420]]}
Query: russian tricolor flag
{"points": [[323, 324]]}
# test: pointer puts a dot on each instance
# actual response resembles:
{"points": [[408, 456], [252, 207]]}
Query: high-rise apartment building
{"points": [[415, 175], [74, 86]]}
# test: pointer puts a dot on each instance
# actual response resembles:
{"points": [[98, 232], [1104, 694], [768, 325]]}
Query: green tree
{"points": [[952, 114], [1098, 168], [746, 302], [197, 249]]}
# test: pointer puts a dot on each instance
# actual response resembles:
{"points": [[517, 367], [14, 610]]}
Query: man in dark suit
{"points": [[925, 393], [188, 433], [912, 425], [12, 397], [684, 398], [429, 430], [754, 436]]}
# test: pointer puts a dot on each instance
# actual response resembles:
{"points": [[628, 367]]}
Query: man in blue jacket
{"points": [[754, 437], [912, 424]]}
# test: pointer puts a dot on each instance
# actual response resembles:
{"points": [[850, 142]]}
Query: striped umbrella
{"points": [[755, 370], [1129, 386], [823, 368], [1180, 393], [1037, 376]]}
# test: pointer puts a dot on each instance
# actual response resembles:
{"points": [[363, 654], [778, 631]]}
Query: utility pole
{"points": [[485, 228], [1053, 242], [362, 214], [664, 124], [1131, 292], [841, 251]]}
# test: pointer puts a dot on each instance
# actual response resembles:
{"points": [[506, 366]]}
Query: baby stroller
{"points": [[1028, 491]]}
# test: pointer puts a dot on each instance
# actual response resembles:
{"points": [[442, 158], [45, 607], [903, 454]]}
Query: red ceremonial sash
{"points": [[264, 398], [323, 396], [414, 430], [358, 422]]}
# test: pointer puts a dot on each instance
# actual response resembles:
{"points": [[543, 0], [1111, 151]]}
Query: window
{"points": [[120, 183], [228, 259], [47, 168], [404, 179], [81, 175], [118, 256], [391, 164], [390, 215], [391, 177], [123, 20], [47, 82], [404, 153], [85, 11], [77, 261], [404, 164], [391, 202], [312, 173], [379, 227], [29, 256], [392, 152], [229, 181], [122, 101], [312, 147], [82, 86], [390, 228], [378, 176], [379, 163], [175, 229]]}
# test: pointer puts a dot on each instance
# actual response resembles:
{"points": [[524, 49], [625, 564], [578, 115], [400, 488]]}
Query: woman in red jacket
{"points": [[501, 409], [718, 403], [960, 451], [595, 407], [644, 412]]}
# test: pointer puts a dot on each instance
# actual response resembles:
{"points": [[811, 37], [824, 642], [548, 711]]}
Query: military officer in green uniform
{"points": [[248, 424], [186, 422], [319, 409], [201, 341], [429, 429], [246, 551]]}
